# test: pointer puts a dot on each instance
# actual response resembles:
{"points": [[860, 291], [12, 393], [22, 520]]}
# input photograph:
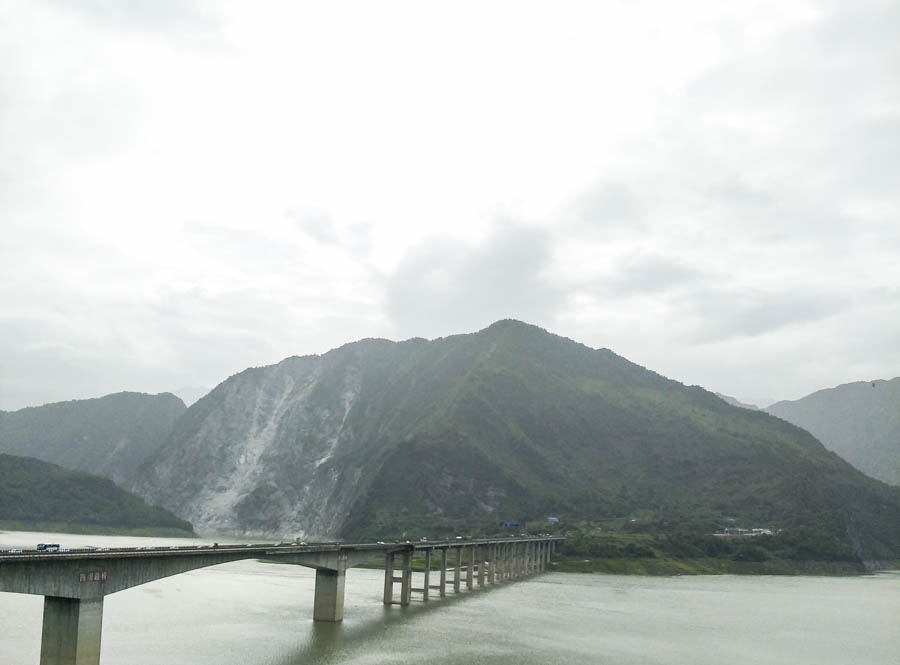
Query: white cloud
{"points": [[188, 189]]}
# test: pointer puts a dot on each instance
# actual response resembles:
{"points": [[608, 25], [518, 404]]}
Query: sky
{"points": [[188, 189]]}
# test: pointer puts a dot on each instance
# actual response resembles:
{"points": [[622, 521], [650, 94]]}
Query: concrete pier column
{"points": [[406, 579], [481, 553], [470, 569], [388, 578], [425, 587], [71, 631], [443, 572], [458, 570], [329, 603], [492, 557]]}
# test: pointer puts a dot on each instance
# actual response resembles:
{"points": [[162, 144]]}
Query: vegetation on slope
{"points": [[859, 421], [516, 423], [110, 435], [38, 495]]}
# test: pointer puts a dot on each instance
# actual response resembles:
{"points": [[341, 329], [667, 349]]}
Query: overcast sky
{"points": [[709, 189]]}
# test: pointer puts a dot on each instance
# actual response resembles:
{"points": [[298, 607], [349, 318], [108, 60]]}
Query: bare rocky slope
{"points": [[511, 422]]}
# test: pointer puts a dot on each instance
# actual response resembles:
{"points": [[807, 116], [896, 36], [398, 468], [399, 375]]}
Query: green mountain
{"points": [[111, 435], [36, 494], [859, 421], [512, 422]]}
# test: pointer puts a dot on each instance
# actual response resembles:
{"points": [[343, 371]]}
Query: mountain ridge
{"points": [[509, 421], [111, 435], [859, 420]]}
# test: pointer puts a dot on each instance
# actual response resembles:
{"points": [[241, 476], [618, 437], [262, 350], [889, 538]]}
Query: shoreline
{"points": [[666, 567], [96, 529]]}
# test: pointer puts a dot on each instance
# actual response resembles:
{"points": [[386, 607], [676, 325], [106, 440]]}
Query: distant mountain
{"points": [[735, 402], [759, 402], [36, 493], [859, 421], [377, 437], [110, 435]]}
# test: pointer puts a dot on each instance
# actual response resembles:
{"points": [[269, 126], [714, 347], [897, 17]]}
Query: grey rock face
{"points": [[259, 455]]}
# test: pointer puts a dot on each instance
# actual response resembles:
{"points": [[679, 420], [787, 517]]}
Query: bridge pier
{"points": [[481, 554], [329, 601], [426, 585], [406, 579], [388, 578], [457, 571], [443, 572], [71, 631]]}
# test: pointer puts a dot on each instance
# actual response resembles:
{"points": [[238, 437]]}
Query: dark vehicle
{"points": [[48, 547]]}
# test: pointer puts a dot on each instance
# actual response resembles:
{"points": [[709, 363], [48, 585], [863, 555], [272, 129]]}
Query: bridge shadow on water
{"points": [[329, 643]]}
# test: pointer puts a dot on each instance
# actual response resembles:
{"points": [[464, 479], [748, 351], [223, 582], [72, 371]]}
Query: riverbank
{"points": [[705, 566], [96, 529]]}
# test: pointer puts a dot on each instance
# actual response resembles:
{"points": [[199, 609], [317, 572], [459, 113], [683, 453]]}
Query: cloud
{"points": [[718, 315], [653, 274], [321, 227], [443, 286], [141, 14], [606, 204]]}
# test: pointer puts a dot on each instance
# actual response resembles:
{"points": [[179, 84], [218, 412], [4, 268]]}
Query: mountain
{"points": [[511, 422], [111, 435], [37, 494], [859, 421], [735, 402]]}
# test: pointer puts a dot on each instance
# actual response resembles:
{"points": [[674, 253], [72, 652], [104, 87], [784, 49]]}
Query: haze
{"points": [[188, 189]]}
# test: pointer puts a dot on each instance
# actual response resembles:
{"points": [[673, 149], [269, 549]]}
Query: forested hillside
{"points": [[859, 421], [511, 422], [110, 435], [39, 495]]}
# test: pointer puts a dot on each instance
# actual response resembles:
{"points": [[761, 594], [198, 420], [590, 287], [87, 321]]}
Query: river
{"points": [[253, 613]]}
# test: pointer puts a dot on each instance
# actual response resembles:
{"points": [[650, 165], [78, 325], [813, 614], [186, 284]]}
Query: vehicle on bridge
{"points": [[48, 547]]}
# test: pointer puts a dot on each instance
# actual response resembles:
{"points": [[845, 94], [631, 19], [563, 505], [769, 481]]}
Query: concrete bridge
{"points": [[74, 583]]}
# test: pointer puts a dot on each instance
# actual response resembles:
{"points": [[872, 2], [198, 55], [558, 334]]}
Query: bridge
{"points": [[74, 583]]}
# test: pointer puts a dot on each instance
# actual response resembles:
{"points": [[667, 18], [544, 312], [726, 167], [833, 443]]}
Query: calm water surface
{"points": [[253, 613]]}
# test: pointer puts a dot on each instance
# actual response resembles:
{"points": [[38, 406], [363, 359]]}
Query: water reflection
{"points": [[327, 642]]}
